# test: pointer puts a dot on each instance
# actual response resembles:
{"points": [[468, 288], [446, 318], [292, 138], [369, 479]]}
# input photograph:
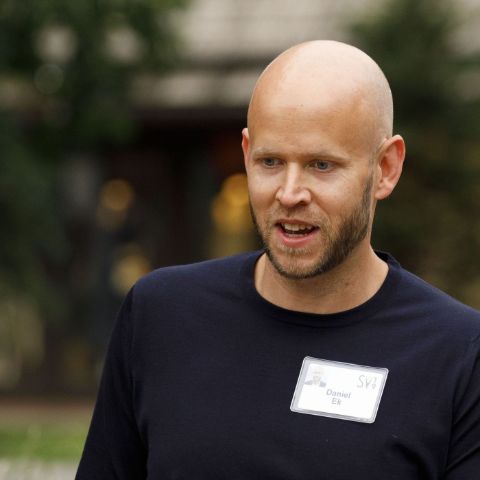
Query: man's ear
{"points": [[245, 145], [390, 163]]}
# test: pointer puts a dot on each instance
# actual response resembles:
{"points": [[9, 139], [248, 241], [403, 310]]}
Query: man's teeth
{"points": [[296, 228]]}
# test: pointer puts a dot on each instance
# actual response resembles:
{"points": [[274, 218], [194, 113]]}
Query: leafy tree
{"points": [[431, 222], [66, 70]]}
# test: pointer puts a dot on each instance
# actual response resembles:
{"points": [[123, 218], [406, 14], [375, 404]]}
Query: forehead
{"points": [[300, 125]]}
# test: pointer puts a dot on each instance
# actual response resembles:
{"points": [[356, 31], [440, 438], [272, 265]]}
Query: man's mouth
{"points": [[296, 229]]}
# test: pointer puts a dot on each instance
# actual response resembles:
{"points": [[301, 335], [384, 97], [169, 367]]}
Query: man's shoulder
{"points": [[433, 303], [434, 293]]}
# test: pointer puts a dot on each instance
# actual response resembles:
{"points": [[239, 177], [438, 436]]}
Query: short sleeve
{"points": [[464, 454], [114, 448]]}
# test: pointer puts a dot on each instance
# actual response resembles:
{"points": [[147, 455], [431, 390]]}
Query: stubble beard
{"points": [[338, 242]]}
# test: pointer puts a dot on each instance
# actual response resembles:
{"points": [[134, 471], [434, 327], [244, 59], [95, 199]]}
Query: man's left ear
{"points": [[390, 163]]}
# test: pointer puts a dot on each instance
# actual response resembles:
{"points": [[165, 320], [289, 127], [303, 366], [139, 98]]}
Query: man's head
{"points": [[319, 152]]}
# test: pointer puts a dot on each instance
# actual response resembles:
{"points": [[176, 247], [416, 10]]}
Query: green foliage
{"points": [[66, 71], [431, 221], [66, 58], [77, 59], [25, 202]]}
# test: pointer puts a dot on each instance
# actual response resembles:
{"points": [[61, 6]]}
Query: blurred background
{"points": [[120, 127]]}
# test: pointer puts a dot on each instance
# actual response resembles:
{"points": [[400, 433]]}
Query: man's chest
{"points": [[224, 412]]}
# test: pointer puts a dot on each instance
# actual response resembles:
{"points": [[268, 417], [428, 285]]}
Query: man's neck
{"points": [[346, 286]]}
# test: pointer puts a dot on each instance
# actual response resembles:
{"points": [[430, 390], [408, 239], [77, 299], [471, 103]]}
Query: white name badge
{"points": [[339, 390]]}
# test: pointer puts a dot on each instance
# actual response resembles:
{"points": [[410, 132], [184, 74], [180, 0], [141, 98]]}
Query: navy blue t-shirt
{"points": [[201, 371]]}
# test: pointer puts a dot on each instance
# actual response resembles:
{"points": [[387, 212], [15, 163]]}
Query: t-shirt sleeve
{"points": [[464, 454], [114, 448]]}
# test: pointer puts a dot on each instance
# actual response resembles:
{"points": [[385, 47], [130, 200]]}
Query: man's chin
{"points": [[293, 266]]}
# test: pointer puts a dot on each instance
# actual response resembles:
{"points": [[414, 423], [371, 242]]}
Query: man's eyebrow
{"points": [[314, 155], [265, 152]]}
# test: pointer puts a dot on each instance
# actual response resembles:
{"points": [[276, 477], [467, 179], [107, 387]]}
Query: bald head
{"points": [[327, 76]]}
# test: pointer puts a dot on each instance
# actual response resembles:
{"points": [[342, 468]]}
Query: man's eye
{"points": [[321, 165], [269, 162]]}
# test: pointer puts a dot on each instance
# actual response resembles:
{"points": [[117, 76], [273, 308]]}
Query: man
{"points": [[206, 371]]}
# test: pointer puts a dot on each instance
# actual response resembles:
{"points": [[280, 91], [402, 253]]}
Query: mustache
{"points": [[298, 214]]}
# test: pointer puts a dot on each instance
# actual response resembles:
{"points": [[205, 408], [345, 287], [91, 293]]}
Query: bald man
{"points": [[211, 370]]}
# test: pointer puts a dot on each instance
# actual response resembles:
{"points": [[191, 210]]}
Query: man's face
{"points": [[310, 182]]}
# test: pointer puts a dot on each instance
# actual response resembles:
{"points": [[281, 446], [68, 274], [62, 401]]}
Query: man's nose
{"points": [[293, 190]]}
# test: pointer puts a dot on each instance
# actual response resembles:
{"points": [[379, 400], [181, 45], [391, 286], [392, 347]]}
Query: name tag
{"points": [[339, 390]]}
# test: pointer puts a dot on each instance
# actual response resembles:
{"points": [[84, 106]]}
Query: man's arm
{"points": [[464, 454], [114, 448]]}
